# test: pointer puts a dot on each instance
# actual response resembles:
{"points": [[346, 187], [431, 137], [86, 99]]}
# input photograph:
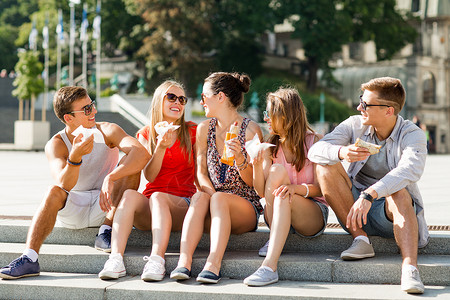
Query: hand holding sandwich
{"points": [[358, 151]]}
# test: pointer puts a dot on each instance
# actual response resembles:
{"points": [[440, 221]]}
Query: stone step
{"points": [[332, 241], [321, 267], [88, 286]]}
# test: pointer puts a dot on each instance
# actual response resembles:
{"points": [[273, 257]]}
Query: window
{"points": [[429, 88], [415, 5]]}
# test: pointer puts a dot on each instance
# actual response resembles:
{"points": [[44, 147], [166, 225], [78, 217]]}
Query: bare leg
{"points": [[45, 217], [229, 214], [168, 213], [130, 182], [336, 187], [134, 206], [399, 208], [197, 219], [304, 215]]}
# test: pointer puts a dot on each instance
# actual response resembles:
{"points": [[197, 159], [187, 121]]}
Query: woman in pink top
{"points": [[286, 178]]}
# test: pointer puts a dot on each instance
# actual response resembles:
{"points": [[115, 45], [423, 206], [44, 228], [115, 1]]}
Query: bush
{"points": [[271, 80]]}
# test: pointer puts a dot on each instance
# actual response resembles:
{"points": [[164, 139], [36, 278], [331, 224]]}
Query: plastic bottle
{"points": [[227, 156]]}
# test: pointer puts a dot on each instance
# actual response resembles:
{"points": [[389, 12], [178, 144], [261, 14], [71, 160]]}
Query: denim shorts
{"points": [[187, 199], [324, 210], [377, 221]]}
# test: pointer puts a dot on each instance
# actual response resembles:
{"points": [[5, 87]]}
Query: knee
{"points": [[158, 198], [56, 191], [277, 174], [218, 201], [200, 199], [402, 200], [324, 171], [277, 171], [56, 197], [129, 199]]}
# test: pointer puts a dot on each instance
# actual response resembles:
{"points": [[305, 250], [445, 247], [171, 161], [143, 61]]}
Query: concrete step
{"points": [[332, 241], [88, 286], [321, 267]]}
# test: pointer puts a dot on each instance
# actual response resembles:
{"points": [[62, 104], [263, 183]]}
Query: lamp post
{"points": [[322, 107], [72, 37]]}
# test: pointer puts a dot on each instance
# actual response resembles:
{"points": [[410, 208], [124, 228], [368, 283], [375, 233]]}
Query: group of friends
{"points": [[190, 190]]}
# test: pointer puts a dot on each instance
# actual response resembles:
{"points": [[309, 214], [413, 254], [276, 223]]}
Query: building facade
{"points": [[423, 67]]}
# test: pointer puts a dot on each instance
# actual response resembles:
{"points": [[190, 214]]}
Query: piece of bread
{"points": [[373, 149]]}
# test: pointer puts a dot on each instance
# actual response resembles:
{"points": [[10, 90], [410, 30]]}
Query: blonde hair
{"points": [[155, 114], [286, 109]]}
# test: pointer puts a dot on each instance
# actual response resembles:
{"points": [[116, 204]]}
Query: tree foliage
{"points": [[325, 25], [28, 82]]}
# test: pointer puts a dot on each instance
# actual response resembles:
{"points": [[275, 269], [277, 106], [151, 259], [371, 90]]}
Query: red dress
{"points": [[177, 173]]}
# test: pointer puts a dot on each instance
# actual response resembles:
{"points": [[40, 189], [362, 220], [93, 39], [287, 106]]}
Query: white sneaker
{"points": [[358, 250], [262, 276], [411, 282], [114, 268], [154, 269], [264, 249]]}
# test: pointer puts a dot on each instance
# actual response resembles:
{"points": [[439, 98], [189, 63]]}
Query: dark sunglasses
{"points": [[87, 109], [172, 98], [364, 105]]}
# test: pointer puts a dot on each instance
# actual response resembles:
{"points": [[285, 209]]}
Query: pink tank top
{"points": [[306, 174]]}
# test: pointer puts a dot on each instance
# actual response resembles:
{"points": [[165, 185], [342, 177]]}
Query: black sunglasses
{"points": [[87, 109], [172, 98], [365, 105]]}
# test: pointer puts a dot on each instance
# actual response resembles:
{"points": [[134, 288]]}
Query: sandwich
{"points": [[373, 149]]}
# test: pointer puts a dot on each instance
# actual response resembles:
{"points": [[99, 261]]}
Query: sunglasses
{"points": [[87, 109], [203, 96], [266, 114], [172, 98], [364, 105]]}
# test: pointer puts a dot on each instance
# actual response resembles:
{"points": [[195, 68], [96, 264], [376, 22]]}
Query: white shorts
{"points": [[82, 210]]}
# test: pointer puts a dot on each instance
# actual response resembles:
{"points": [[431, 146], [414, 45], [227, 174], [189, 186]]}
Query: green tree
{"points": [[237, 28], [179, 36], [28, 82], [8, 54], [325, 25]]}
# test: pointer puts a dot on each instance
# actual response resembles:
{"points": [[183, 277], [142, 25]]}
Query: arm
{"points": [[65, 174], [246, 173], [135, 159], [409, 169], [327, 150], [153, 167], [201, 146], [261, 166]]}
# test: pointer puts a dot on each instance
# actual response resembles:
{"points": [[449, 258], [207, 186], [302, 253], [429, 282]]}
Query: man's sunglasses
{"points": [[365, 105], [87, 109], [172, 98]]}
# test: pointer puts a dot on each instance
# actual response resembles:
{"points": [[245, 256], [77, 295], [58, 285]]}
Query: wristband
{"points": [[74, 163], [242, 164], [367, 196], [307, 190]]}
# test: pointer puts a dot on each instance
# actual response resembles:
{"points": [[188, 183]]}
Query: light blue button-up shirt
{"points": [[406, 154]]}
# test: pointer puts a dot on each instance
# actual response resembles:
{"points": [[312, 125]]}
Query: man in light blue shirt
{"points": [[378, 194]]}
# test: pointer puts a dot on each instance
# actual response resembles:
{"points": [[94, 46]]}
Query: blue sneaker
{"points": [[103, 241], [20, 267], [206, 276]]}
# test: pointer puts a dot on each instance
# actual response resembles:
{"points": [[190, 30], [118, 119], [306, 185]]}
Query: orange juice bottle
{"points": [[227, 156]]}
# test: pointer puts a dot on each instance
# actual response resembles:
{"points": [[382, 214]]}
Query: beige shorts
{"points": [[82, 210]]}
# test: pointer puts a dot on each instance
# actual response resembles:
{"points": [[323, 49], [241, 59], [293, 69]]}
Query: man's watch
{"points": [[367, 196]]}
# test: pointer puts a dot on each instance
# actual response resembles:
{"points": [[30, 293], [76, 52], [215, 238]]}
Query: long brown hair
{"points": [[155, 114], [286, 110]]}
